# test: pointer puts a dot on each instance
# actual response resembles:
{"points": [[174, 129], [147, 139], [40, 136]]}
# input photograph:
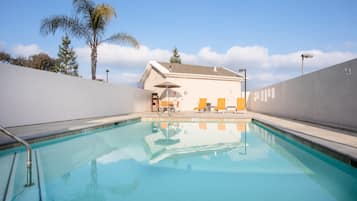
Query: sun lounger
{"points": [[221, 105], [201, 105], [240, 105]]}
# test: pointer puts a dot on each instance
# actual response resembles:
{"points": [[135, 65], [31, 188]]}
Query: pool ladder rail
{"points": [[29, 155]]}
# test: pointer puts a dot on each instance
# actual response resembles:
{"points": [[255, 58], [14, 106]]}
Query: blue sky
{"points": [[266, 37]]}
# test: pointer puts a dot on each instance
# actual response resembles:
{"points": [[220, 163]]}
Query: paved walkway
{"points": [[341, 141]]}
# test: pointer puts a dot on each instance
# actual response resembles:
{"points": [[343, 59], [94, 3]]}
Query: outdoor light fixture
{"points": [[245, 85], [107, 71], [304, 56]]}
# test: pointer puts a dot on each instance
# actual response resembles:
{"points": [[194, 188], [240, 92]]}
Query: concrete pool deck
{"points": [[46, 130], [341, 144]]}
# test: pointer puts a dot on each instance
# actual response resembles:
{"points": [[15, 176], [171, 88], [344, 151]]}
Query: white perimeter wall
{"points": [[327, 96], [29, 96], [193, 89]]}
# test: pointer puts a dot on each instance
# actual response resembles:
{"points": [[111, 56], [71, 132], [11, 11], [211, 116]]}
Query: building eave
{"points": [[154, 65], [236, 73], [206, 77]]}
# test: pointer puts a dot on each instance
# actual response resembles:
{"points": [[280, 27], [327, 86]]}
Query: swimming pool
{"points": [[178, 161]]}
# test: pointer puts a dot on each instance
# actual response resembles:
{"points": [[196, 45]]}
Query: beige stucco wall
{"points": [[193, 89], [327, 96]]}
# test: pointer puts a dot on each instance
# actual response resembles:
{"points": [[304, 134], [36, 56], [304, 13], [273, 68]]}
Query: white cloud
{"points": [[320, 59], [136, 153], [26, 50], [121, 56], [247, 56], [263, 67]]}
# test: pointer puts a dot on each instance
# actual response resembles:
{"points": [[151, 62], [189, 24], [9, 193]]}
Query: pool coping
{"points": [[333, 149], [63, 132]]}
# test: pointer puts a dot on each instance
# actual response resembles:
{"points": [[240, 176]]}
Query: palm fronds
{"points": [[123, 38], [70, 25], [84, 7], [89, 23]]}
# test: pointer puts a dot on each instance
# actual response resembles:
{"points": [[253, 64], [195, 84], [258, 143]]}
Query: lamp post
{"points": [[107, 71], [245, 85], [304, 56]]}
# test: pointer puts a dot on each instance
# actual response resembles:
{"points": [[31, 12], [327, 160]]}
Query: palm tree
{"points": [[89, 24]]}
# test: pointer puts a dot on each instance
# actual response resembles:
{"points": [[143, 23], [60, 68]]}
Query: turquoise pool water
{"points": [[188, 161]]}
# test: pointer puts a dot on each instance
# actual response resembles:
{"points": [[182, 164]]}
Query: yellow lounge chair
{"points": [[201, 104], [240, 104], [221, 104]]}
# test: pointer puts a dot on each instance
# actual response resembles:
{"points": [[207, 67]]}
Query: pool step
{"points": [[15, 186]]}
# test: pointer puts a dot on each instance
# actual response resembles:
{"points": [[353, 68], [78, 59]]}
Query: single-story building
{"points": [[195, 81]]}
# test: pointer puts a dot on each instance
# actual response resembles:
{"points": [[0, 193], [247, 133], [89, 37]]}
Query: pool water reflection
{"points": [[191, 161]]}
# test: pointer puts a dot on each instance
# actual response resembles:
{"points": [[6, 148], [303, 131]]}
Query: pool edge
{"points": [[335, 153], [296, 135]]}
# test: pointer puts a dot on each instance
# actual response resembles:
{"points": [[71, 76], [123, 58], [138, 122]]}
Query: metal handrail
{"points": [[29, 155]]}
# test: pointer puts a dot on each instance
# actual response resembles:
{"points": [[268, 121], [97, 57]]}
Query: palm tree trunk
{"points": [[94, 61]]}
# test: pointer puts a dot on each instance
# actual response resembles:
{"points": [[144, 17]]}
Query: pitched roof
{"points": [[195, 69], [190, 71]]}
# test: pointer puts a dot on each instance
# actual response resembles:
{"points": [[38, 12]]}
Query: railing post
{"points": [[29, 169]]}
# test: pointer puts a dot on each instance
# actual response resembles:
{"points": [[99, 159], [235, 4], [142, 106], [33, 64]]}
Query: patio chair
{"points": [[221, 105], [240, 105], [163, 106], [201, 105]]}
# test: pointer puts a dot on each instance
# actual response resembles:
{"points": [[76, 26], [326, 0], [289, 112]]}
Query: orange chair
{"points": [[240, 104], [221, 105], [163, 105], [201, 105]]}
